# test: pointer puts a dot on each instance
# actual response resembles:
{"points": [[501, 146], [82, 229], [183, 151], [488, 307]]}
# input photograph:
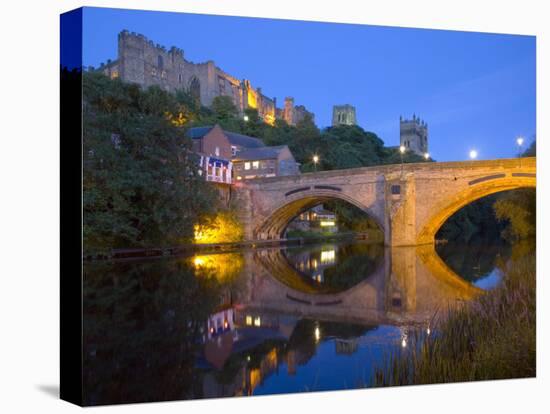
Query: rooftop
{"points": [[263, 153], [234, 138]]}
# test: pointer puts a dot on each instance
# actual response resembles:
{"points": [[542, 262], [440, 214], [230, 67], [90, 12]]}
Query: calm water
{"points": [[266, 321]]}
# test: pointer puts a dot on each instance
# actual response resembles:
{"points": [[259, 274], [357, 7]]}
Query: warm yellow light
{"points": [[252, 102], [327, 223], [473, 154], [426, 155], [317, 334], [198, 261], [248, 320], [315, 159], [269, 119], [245, 118], [403, 343], [328, 256], [402, 149], [257, 321], [224, 227]]}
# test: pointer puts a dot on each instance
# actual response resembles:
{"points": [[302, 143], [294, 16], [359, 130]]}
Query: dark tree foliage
{"points": [[140, 186]]}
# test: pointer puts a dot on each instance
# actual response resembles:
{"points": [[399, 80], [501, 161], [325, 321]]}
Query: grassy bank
{"points": [[493, 337]]}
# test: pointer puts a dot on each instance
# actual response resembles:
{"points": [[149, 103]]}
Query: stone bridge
{"points": [[410, 202]]}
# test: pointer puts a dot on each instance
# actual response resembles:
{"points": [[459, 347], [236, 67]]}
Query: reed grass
{"points": [[492, 337]]}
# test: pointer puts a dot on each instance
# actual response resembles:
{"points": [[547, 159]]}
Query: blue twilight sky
{"points": [[475, 90]]}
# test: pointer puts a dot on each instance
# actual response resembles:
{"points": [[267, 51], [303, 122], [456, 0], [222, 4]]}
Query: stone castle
{"points": [[414, 135], [145, 63]]}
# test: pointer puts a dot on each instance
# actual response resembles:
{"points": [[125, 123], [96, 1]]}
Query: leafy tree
{"points": [[518, 209], [140, 185], [224, 108]]}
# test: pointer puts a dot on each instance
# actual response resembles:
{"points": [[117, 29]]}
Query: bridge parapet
{"points": [[409, 202]]}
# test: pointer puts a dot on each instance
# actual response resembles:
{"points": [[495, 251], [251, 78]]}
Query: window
{"points": [[179, 77], [217, 151], [247, 166], [233, 150], [255, 164], [160, 62]]}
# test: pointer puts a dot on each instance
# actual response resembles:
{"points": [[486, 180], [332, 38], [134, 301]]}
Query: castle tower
{"points": [[414, 134], [343, 115]]}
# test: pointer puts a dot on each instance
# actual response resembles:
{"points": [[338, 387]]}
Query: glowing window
{"points": [[255, 164], [257, 321], [248, 320], [247, 166]]}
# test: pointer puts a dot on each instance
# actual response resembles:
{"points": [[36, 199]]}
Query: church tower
{"points": [[343, 115], [414, 135]]}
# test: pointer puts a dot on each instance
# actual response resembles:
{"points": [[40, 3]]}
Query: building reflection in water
{"points": [[248, 323]]}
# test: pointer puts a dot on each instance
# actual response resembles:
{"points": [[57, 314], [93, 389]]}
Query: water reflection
{"points": [[263, 321]]}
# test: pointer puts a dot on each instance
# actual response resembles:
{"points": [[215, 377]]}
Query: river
{"points": [[265, 321]]}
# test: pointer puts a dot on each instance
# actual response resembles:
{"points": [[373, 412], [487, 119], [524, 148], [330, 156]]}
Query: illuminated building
{"points": [[223, 152], [142, 62]]}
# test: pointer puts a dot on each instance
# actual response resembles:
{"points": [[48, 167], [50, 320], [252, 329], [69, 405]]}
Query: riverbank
{"points": [[154, 252], [493, 337]]}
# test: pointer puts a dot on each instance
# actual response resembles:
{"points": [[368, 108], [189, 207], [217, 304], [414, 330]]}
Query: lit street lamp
{"points": [[426, 156], [519, 141], [473, 154], [245, 118], [315, 161]]}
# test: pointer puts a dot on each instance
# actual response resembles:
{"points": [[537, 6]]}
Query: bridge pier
{"points": [[410, 202], [400, 212]]}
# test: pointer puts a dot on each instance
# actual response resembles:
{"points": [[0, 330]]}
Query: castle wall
{"points": [[145, 63]]}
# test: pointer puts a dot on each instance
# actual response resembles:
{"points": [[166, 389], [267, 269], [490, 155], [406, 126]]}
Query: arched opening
{"points": [[447, 208], [328, 259], [478, 239], [324, 212], [195, 89], [325, 268]]}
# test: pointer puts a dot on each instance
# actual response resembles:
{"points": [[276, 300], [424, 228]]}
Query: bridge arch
{"points": [[483, 187], [273, 226]]}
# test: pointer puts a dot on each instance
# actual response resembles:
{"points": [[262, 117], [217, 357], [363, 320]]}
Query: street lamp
{"points": [[426, 156], [519, 141], [473, 154], [315, 161], [245, 118]]}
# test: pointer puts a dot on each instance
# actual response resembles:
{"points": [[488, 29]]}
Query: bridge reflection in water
{"points": [[294, 300], [406, 285], [261, 321]]}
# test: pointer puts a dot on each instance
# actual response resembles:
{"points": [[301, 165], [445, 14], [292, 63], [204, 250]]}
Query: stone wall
{"points": [[143, 62], [409, 202]]}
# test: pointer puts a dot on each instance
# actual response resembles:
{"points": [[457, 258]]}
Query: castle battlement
{"points": [[146, 63], [414, 134]]}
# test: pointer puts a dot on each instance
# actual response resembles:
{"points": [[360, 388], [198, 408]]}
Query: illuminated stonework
{"points": [[142, 62]]}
